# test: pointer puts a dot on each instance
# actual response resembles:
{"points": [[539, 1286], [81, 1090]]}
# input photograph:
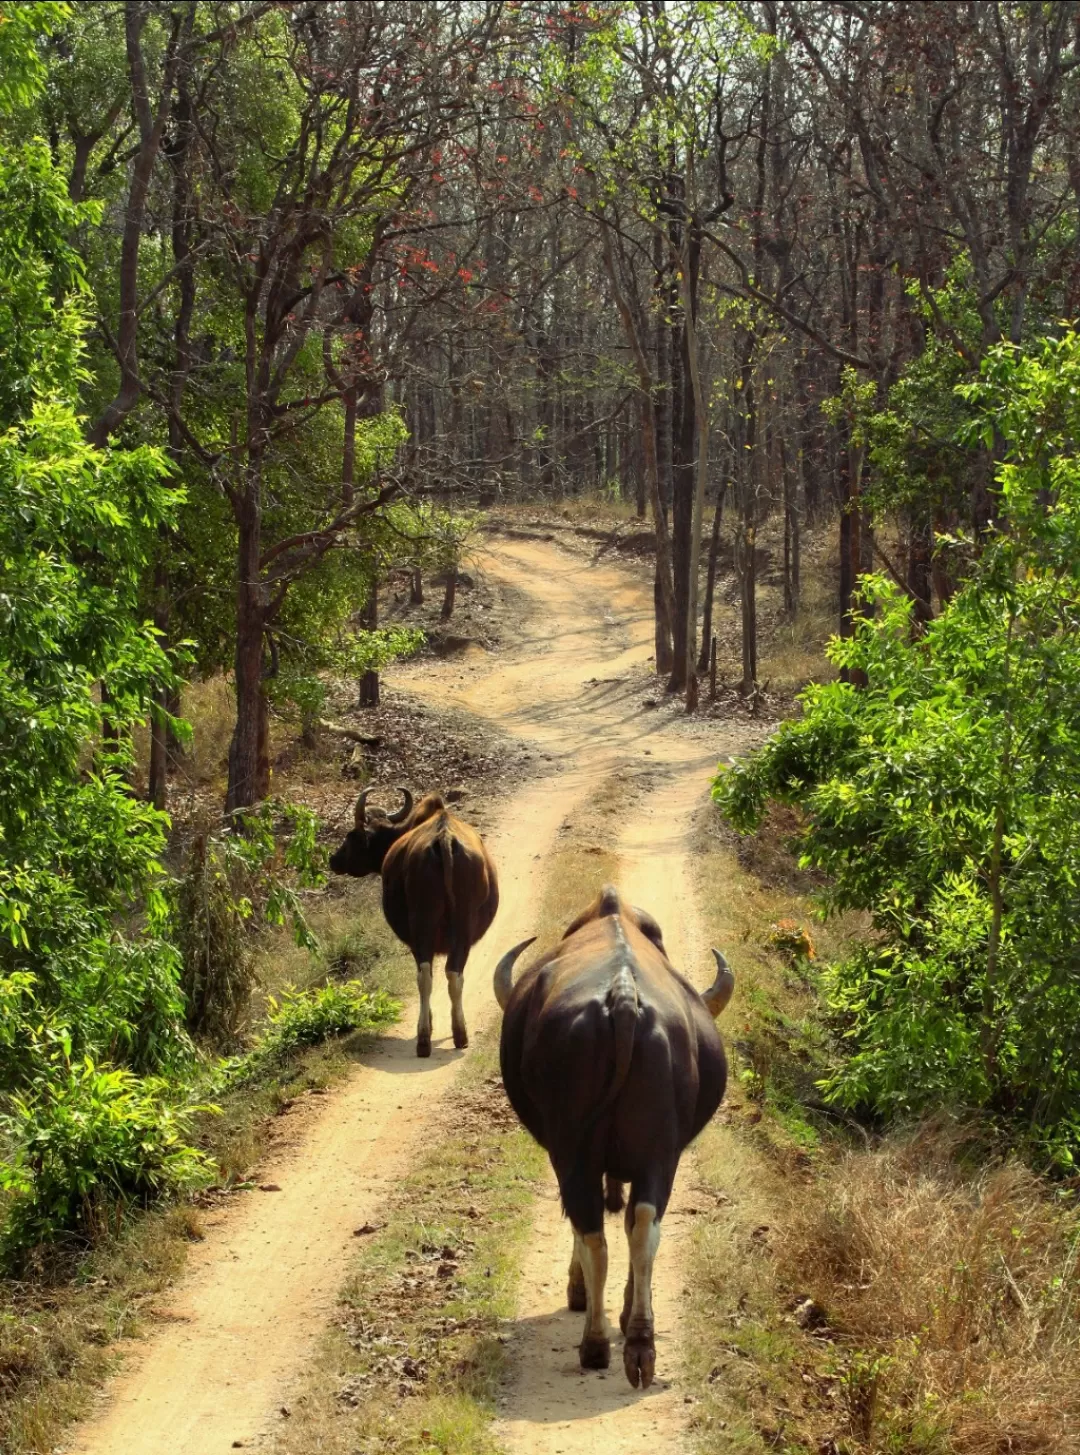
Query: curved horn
{"points": [[722, 988], [504, 972], [405, 809], [361, 809]]}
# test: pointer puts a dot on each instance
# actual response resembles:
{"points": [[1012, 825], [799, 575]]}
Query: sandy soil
{"points": [[243, 1322]]}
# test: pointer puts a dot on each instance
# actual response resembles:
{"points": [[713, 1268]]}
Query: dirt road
{"points": [[244, 1320]]}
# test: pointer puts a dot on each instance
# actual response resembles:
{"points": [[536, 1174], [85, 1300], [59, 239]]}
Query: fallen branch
{"points": [[350, 733]]}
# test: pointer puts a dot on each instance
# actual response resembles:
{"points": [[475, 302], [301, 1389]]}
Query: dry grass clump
{"points": [[960, 1288], [210, 708]]}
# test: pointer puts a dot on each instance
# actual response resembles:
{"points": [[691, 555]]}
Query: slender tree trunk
{"points": [[635, 451], [748, 604], [450, 595], [707, 641], [791, 529], [416, 587], [249, 759], [110, 733], [684, 439], [157, 779], [701, 463], [369, 682], [348, 448], [663, 593], [748, 465], [156, 787], [919, 580], [847, 579], [174, 747], [151, 130], [662, 403]]}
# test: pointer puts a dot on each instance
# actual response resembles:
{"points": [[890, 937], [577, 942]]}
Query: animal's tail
{"points": [[446, 850], [622, 1004]]}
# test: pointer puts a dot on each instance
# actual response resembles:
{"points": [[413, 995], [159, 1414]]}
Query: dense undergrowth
{"points": [[937, 788], [899, 1273], [73, 1299], [913, 1289]]}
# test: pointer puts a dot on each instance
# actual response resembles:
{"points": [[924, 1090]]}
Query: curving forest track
{"points": [[241, 1326]]}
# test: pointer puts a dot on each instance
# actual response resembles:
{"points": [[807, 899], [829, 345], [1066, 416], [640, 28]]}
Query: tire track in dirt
{"points": [[243, 1322]]}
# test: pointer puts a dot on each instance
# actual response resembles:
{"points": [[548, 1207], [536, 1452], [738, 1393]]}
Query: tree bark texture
{"points": [[249, 756]]}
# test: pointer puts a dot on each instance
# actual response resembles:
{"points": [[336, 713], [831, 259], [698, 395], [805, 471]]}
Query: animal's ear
{"points": [[649, 928]]}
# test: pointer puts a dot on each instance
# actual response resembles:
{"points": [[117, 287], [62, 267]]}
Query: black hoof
{"points": [[461, 1040], [594, 1353], [639, 1361], [423, 1046], [575, 1297]]}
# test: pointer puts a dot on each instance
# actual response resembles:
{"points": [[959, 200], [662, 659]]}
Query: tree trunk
{"points": [[348, 448], [664, 597], [707, 640], [450, 595], [662, 396], [748, 604], [792, 544], [157, 787], [156, 784], [700, 460], [635, 452], [662, 633], [919, 579], [110, 735], [847, 578], [682, 512], [369, 682], [416, 587], [151, 127], [174, 747], [249, 757]]}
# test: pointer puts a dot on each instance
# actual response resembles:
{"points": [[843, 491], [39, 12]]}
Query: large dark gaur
{"points": [[613, 1063]]}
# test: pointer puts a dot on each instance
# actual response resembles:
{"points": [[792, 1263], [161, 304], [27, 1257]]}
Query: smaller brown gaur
{"points": [[440, 891]]}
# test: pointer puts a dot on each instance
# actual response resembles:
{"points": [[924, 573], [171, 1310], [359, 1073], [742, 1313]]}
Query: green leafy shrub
{"points": [[88, 1138], [91, 1018], [236, 877], [306, 1017], [941, 797]]}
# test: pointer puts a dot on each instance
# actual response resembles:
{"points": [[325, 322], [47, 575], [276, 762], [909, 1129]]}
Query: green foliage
{"points": [[440, 537], [941, 797], [306, 1017], [88, 1138], [42, 309], [319, 638], [83, 948], [90, 1012], [914, 448], [234, 877], [22, 68]]}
